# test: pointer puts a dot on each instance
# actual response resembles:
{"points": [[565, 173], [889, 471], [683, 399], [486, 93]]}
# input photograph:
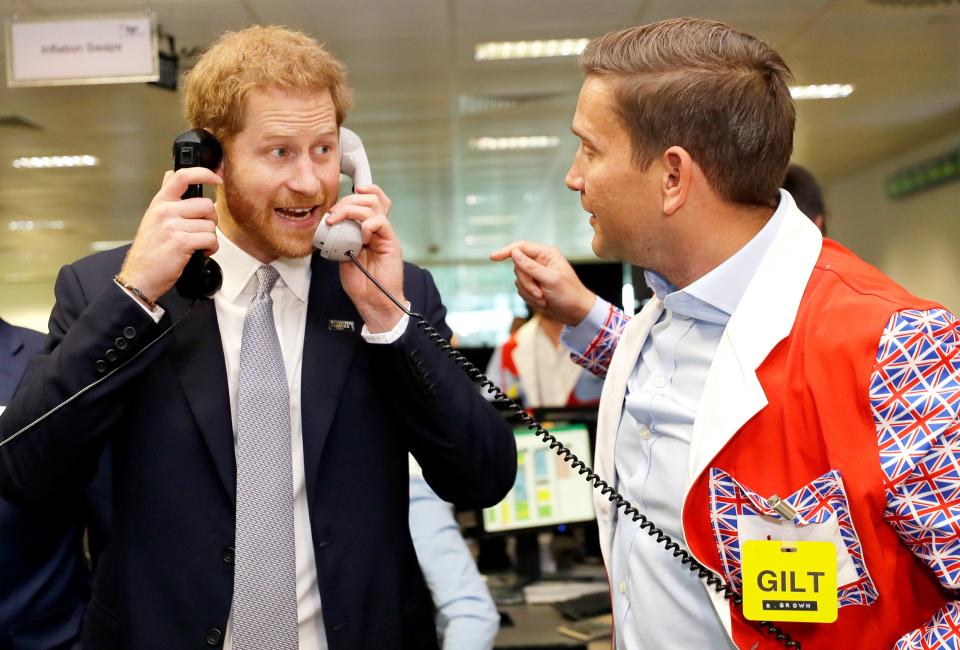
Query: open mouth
{"points": [[296, 214]]}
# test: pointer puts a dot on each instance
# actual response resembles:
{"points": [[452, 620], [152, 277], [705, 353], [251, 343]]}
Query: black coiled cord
{"points": [[518, 412]]}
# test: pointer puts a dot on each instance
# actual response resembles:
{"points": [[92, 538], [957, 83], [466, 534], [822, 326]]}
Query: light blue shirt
{"points": [[657, 602], [467, 619]]}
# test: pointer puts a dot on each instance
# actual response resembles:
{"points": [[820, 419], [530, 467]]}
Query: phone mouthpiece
{"points": [[334, 242]]}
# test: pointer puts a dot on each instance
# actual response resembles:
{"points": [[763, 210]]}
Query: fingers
{"points": [[360, 207], [378, 226], [528, 266], [175, 183], [198, 208], [373, 189], [529, 248]]}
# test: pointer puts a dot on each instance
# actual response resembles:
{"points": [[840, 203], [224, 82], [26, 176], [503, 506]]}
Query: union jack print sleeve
{"points": [[608, 322], [915, 399]]}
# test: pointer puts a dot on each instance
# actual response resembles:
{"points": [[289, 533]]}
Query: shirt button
{"points": [[645, 433], [659, 382], [622, 587], [213, 636]]}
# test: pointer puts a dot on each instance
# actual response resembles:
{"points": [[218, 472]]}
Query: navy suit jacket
{"points": [[165, 577], [44, 580]]}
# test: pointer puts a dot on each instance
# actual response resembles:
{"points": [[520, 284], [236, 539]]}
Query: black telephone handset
{"points": [[201, 277]]}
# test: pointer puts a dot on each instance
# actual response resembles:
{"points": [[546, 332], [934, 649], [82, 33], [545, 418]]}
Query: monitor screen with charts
{"points": [[547, 491]]}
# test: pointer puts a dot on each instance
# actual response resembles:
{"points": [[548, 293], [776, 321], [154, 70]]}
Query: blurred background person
{"points": [[805, 190], [534, 368], [44, 577], [466, 616]]}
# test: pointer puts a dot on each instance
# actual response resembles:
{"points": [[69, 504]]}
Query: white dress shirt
{"points": [[657, 602], [289, 296]]}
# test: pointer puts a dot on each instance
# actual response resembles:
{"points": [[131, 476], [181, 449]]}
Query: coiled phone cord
{"points": [[518, 412]]}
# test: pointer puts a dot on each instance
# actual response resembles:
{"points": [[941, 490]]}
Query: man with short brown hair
{"points": [[776, 388]]}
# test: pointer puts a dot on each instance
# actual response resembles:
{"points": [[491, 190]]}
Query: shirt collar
{"points": [[238, 268], [714, 297]]}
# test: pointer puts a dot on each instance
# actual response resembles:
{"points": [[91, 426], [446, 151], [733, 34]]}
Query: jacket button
{"points": [[129, 332], [227, 555], [111, 355], [213, 636], [121, 343], [101, 366]]}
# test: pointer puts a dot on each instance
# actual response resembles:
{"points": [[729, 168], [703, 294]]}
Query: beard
{"points": [[259, 223]]}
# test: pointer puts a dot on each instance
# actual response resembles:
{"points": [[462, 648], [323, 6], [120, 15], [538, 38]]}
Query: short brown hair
{"points": [[258, 57], [719, 93]]}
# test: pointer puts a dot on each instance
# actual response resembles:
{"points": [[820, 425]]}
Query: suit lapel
{"points": [[197, 358], [327, 355], [611, 406], [732, 393]]}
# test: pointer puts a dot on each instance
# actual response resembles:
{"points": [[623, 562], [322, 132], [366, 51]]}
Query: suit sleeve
{"points": [[465, 447], [87, 340], [915, 399]]}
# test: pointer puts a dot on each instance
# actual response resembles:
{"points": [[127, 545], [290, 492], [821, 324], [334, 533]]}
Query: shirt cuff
{"points": [[383, 338], [156, 313], [578, 338]]}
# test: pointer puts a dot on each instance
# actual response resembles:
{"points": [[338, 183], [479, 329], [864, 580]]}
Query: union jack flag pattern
{"points": [[598, 354], [815, 504], [915, 398]]}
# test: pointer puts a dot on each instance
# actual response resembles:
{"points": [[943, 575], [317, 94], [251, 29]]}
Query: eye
{"points": [[278, 152], [322, 149]]}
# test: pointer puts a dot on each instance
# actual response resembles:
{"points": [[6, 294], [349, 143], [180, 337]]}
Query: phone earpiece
{"points": [[201, 277]]}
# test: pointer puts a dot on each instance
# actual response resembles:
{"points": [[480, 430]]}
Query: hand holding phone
{"points": [[171, 230]]}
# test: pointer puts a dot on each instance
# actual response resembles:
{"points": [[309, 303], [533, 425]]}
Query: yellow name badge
{"points": [[790, 581]]}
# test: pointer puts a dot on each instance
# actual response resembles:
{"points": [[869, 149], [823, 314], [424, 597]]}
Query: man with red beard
{"points": [[260, 449]]}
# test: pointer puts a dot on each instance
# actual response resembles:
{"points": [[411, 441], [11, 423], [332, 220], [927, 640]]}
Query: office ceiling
{"points": [[420, 97]]}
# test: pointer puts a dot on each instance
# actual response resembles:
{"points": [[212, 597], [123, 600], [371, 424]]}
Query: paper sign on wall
{"points": [[82, 50]]}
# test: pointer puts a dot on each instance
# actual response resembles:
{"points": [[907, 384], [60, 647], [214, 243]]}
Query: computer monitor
{"points": [[547, 491]]}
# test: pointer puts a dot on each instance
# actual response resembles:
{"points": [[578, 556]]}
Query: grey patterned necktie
{"points": [[265, 578]]}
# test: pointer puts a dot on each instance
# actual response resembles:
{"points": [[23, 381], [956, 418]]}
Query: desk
{"points": [[537, 625]]}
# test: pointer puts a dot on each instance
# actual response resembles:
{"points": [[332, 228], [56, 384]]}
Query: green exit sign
{"points": [[930, 173]]}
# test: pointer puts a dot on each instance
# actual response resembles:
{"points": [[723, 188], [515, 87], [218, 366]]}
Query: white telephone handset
{"points": [[336, 241]]}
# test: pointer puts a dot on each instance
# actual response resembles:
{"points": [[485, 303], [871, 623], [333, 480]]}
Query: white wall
{"points": [[916, 239]]}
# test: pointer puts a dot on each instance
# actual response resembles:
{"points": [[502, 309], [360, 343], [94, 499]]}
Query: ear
{"points": [[677, 175]]}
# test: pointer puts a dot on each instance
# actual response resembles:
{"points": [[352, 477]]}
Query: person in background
{"points": [[466, 617], [805, 190], [44, 577], [775, 388], [535, 369]]}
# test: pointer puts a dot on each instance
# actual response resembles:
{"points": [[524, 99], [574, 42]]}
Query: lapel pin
{"points": [[340, 325]]}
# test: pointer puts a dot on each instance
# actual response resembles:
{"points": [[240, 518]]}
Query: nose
{"points": [[574, 178], [305, 177]]}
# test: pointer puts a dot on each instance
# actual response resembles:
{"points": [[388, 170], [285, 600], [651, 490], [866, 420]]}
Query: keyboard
{"points": [[585, 606]]}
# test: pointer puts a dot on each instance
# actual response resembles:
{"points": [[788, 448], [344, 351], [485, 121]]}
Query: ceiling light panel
{"points": [[503, 50], [821, 91], [489, 143], [51, 162]]}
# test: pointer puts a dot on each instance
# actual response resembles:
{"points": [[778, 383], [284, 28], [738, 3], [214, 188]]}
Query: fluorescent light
{"points": [[107, 245], [821, 91], [30, 224], [498, 51], [514, 142], [47, 162]]}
